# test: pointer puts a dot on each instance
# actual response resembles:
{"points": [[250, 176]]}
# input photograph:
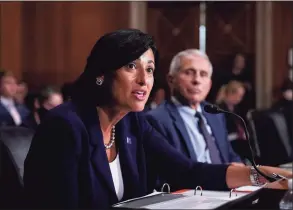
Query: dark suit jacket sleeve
{"points": [[233, 157], [178, 170], [50, 173], [156, 125], [10, 181]]}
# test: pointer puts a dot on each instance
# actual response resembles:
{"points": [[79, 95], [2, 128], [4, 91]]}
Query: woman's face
{"points": [[133, 83], [236, 98], [239, 61]]}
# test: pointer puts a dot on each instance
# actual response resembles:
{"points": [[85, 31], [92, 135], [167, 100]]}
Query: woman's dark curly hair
{"points": [[111, 52]]}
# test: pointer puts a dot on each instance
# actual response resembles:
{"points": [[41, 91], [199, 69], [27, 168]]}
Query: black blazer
{"points": [[67, 166], [5, 117]]}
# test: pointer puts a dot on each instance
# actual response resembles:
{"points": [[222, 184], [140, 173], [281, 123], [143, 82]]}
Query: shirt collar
{"points": [[6, 101], [185, 108]]}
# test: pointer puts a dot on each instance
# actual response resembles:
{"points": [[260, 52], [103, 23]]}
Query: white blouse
{"points": [[117, 177]]}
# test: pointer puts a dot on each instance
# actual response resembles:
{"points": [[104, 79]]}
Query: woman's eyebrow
{"points": [[151, 61]]}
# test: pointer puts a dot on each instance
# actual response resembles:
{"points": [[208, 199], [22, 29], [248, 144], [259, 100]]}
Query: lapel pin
{"points": [[128, 140]]}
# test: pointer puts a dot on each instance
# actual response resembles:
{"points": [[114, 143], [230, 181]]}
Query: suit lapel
{"points": [[214, 122], [98, 157], [8, 118], [127, 148], [180, 126]]}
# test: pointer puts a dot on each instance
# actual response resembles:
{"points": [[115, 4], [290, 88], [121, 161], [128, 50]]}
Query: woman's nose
{"points": [[142, 78]]}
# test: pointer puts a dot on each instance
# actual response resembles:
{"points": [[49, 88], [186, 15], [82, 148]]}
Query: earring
{"points": [[99, 81]]}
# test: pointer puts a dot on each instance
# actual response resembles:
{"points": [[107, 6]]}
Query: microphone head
{"points": [[212, 109]]}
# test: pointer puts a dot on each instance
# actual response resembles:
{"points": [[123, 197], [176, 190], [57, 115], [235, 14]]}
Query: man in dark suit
{"points": [[11, 113], [182, 120]]}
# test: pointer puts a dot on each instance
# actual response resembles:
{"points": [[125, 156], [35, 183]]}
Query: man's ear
{"points": [[170, 80]]}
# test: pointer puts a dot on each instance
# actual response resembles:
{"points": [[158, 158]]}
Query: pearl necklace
{"points": [[112, 139]]}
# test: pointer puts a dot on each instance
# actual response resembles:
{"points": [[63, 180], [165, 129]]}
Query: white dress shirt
{"points": [[9, 104], [117, 177], [191, 124]]}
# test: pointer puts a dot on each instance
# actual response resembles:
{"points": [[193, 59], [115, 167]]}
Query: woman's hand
{"points": [[237, 164], [268, 170], [280, 184], [238, 175]]}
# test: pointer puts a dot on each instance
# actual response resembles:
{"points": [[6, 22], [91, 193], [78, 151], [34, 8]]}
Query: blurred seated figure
{"points": [[41, 103], [285, 106], [21, 92], [66, 91], [157, 98], [11, 112], [239, 69], [286, 97], [271, 141], [228, 98]]}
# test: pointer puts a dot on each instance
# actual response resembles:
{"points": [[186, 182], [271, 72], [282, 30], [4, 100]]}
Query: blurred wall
{"points": [[282, 41], [48, 42], [263, 30], [274, 37], [11, 37]]}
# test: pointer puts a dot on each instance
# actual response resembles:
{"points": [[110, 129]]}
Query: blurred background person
{"points": [[66, 91], [11, 112], [286, 96], [239, 71], [50, 97], [21, 92], [156, 99], [41, 103], [229, 97]]}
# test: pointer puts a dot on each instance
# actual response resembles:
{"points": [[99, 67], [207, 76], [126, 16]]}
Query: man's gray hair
{"points": [[176, 61]]}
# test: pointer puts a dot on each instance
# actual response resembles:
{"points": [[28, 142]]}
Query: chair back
{"points": [[14, 145], [270, 136], [18, 140]]}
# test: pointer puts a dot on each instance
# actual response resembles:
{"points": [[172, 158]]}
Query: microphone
{"points": [[213, 109]]}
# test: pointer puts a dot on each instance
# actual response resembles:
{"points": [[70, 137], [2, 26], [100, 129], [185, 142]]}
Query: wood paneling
{"points": [[10, 37], [230, 29], [48, 42], [90, 21], [64, 34], [175, 28], [282, 41]]}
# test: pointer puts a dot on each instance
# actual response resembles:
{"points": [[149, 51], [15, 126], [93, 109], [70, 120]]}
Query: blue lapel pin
{"points": [[128, 140]]}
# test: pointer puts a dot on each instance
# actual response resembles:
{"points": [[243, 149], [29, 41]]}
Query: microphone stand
{"points": [[274, 177]]}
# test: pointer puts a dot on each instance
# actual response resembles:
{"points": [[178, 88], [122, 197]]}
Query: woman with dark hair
{"points": [[96, 150], [239, 70], [285, 105]]}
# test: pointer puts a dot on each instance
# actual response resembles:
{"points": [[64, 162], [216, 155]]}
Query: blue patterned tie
{"points": [[210, 143]]}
